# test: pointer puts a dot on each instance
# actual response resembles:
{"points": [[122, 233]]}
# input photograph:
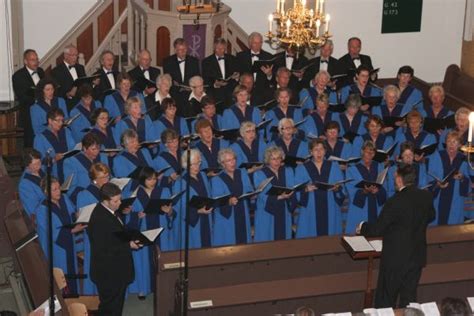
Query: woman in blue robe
{"points": [[461, 118], [99, 175], [232, 221], [84, 108], [105, 131], [364, 204], [437, 110], [45, 101], [64, 250], [79, 165], [320, 211], [29, 189], [200, 220], [208, 145], [316, 122], [374, 134], [136, 121], [361, 86], [282, 110], [320, 86], [249, 148], [407, 156], [240, 111], [449, 196], [170, 156], [334, 145], [390, 108], [115, 102], [410, 96], [273, 215], [55, 141], [290, 145], [352, 120], [415, 134], [208, 107], [169, 119], [139, 220]]}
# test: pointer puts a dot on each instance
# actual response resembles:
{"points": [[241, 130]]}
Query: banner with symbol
{"points": [[195, 36]]}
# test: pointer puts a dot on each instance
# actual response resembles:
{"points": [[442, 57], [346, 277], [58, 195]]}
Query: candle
{"points": [[278, 6], [270, 22], [318, 23], [316, 7], [288, 24], [471, 125], [321, 6], [311, 14], [282, 10], [328, 17], [303, 2]]}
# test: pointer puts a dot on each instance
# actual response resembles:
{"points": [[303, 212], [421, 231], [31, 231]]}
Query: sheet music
{"points": [[152, 233], [358, 243], [379, 312], [470, 300], [85, 213], [45, 306], [120, 182], [376, 244], [430, 308]]}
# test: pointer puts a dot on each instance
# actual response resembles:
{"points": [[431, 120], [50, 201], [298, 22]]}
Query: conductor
{"points": [[402, 224]]}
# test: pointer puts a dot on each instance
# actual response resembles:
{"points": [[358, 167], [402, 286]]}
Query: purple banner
{"points": [[195, 36]]}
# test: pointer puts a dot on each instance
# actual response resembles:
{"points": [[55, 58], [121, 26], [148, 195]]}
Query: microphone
{"points": [[49, 157]]}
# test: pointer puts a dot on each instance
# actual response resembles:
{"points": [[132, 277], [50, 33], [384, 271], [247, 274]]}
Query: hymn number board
{"points": [[399, 16]]}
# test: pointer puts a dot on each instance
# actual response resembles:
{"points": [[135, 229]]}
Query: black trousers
{"points": [[394, 283], [111, 297]]}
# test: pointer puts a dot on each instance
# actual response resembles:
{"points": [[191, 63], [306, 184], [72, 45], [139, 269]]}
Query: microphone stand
{"points": [[50, 233]]}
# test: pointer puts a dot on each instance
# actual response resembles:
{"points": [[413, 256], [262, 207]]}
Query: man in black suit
{"points": [[108, 75], [402, 224], [353, 59], [65, 73], [144, 70], [324, 61], [24, 83], [111, 257], [216, 68], [282, 80], [246, 58], [293, 61]]}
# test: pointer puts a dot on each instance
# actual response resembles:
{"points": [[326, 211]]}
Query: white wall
{"points": [[6, 63], [429, 51], [45, 22]]}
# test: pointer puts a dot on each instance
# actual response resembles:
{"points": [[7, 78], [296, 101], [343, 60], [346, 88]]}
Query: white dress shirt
{"points": [[110, 76], [72, 71], [34, 75], [221, 66]]}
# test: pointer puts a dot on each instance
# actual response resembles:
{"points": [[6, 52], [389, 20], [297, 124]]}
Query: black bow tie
{"points": [[145, 70], [181, 61], [220, 58], [34, 73], [356, 58], [255, 55], [324, 61], [71, 66], [290, 56], [109, 72]]}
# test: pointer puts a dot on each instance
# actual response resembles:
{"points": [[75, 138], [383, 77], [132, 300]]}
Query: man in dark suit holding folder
{"points": [[111, 257], [402, 224]]}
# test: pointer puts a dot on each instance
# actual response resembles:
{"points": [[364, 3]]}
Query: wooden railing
{"points": [[137, 28], [236, 36]]}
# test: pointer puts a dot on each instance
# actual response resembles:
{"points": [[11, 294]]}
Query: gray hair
{"points": [[462, 110], [162, 77], [254, 35], [127, 135], [184, 158], [220, 41], [436, 88], [353, 101], [329, 42], [246, 125], [283, 121], [271, 151], [322, 73], [194, 80], [222, 153], [105, 52], [391, 88], [129, 103], [281, 70], [68, 48]]}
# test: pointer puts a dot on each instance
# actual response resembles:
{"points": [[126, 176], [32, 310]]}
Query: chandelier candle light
{"points": [[299, 26]]}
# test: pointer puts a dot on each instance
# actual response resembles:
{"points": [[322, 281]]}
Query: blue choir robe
{"points": [[233, 117], [245, 154], [79, 166], [209, 157], [382, 111], [179, 125], [115, 104], [276, 114], [442, 137], [411, 98], [30, 192], [273, 218], [356, 126], [449, 202], [342, 150], [107, 140], [57, 145], [297, 148], [363, 207], [64, 250], [369, 91], [427, 111], [88, 196], [144, 128], [231, 223], [216, 122], [83, 121], [39, 112], [125, 163], [421, 178], [314, 124], [311, 94], [320, 211], [166, 159], [383, 142], [424, 138], [200, 225]]}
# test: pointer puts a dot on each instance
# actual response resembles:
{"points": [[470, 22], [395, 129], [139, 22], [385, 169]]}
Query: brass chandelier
{"points": [[299, 26]]}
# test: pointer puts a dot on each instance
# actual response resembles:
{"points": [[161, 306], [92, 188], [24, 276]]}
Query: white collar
{"points": [[31, 71], [106, 70], [256, 53], [191, 96], [108, 209], [158, 96]]}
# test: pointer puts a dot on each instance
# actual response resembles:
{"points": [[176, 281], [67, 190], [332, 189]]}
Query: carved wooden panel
{"points": [[164, 5], [217, 32], [162, 44], [105, 22], [85, 43]]}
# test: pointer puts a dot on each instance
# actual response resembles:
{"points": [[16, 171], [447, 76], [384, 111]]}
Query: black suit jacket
{"points": [[333, 68], [111, 257], [402, 224], [295, 85], [104, 84], [211, 72], [22, 86], [137, 72], [346, 63], [64, 79], [191, 68], [244, 60]]}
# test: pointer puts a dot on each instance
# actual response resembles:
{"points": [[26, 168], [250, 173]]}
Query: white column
{"points": [[142, 31], [136, 38], [6, 52]]}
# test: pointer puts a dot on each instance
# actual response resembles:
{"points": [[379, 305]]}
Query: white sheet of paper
{"points": [[152, 233], [67, 184], [45, 306], [377, 244], [85, 213], [430, 308], [385, 312], [370, 311], [358, 243], [470, 300], [120, 182]]}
